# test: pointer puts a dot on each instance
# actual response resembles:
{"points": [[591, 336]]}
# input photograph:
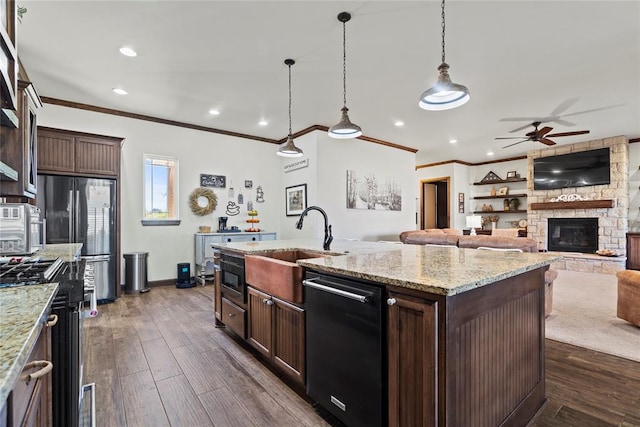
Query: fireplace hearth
{"points": [[572, 234]]}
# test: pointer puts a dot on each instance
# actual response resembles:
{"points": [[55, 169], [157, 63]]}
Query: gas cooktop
{"points": [[22, 271]]}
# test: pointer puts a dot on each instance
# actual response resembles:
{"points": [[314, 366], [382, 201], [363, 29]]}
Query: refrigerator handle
{"points": [[76, 216], [72, 220]]}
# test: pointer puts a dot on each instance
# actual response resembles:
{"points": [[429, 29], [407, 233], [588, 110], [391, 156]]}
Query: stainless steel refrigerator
{"points": [[83, 210]]}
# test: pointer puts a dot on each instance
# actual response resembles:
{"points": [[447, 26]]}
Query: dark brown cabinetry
{"points": [[29, 403], [276, 330], [413, 361], [217, 296], [447, 354], [19, 145], [8, 55], [234, 317], [633, 251], [74, 153]]}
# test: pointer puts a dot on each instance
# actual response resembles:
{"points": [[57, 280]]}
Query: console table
{"points": [[205, 254]]}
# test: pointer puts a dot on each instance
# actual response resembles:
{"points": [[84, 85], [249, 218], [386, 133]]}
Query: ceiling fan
{"points": [[542, 135], [555, 115]]}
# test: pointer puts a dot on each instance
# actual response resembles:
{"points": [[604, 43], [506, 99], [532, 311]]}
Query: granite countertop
{"points": [[433, 269], [22, 311], [66, 251]]}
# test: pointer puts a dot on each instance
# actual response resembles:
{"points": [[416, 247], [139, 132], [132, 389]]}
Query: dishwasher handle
{"points": [[360, 298]]}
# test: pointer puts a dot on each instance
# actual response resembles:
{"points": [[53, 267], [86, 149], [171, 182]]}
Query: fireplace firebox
{"points": [[572, 234]]}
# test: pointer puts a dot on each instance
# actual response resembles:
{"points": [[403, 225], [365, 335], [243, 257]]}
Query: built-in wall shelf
{"points": [[504, 212], [577, 204], [500, 181], [509, 196]]}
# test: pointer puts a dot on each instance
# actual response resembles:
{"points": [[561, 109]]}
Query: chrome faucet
{"points": [[328, 238]]}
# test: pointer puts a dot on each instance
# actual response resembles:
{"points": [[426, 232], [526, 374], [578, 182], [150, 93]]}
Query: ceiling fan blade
{"points": [[564, 122], [564, 106], [520, 119], [520, 128], [578, 132], [510, 137], [545, 130], [546, 141], [519, 142], [592, 110]]}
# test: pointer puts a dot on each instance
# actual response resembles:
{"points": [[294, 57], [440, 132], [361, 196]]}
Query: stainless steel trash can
{"points": [[135, 278]]}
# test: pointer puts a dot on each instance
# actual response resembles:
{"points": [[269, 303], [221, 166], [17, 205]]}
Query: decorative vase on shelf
{"points": [[493, 191]]}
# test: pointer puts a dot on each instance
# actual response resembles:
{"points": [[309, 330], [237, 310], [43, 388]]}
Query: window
{"points": [[160, 190]]}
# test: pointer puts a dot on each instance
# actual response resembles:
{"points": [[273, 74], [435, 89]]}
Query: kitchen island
{"points": [[464, 327]]}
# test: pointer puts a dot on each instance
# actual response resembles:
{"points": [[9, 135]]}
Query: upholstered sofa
{"points": [[423, 237]]}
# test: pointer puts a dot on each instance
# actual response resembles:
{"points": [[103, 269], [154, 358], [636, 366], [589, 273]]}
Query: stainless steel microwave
{"points": [[21, 229]]}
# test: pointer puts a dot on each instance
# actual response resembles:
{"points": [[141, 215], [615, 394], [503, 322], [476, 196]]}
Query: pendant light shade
{"points": [[445, 94], [344, 129], [289, 149]]}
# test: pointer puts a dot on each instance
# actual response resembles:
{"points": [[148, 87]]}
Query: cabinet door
{"points": [[633, 251], [56, 151], [97, 156], [217, 296], [288, 339], [413, 361], [260, 333]]}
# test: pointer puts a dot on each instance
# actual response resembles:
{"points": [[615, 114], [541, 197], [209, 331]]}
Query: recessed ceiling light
{"points": [[453, 141], [263, 122], [119, 91], [127, 51], [489, 153], [399, 123], [214, 112]]}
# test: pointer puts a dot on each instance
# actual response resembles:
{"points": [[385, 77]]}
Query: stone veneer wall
{"points": [[612, 222]]}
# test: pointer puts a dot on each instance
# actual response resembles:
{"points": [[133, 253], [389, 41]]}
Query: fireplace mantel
{"points": [[577, 204]]}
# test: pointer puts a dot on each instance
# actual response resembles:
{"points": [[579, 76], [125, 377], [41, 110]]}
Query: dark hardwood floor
{"points": [[157, 360]]}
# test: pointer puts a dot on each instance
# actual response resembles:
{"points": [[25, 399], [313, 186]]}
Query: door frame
{"points": [[421, 215]]}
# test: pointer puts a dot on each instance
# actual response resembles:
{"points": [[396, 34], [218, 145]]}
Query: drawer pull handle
{"points": [[52, 320], [44, 365], [231, 314], [391, 301]]}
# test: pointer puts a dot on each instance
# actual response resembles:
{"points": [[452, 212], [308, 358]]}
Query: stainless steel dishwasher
{"points": [[346, 349]]}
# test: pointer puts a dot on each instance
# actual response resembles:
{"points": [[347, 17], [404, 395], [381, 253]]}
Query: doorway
{"points": [[434, 206]]}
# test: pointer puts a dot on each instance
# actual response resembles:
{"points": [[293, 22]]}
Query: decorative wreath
{"points": [[207, 193]]}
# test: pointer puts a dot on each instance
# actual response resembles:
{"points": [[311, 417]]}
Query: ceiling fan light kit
{"points": [[289, 149], [344, 129], [444, 95]]}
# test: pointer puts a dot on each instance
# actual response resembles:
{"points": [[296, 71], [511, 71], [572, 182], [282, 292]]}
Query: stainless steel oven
{"points": [[21, 229], [232, 278]]}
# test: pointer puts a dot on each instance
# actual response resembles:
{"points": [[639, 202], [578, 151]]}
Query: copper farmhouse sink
{"points": [[277, 273]]}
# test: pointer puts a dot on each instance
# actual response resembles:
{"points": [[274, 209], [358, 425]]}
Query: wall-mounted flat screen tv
{"points": [[572, 170]]}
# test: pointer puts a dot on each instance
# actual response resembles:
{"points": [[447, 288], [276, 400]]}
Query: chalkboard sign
{"points": [[216, 181]]}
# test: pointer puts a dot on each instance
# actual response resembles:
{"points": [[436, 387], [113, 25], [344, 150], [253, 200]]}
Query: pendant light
{"points": [[289, 149], [445, 95], [344, 129]]}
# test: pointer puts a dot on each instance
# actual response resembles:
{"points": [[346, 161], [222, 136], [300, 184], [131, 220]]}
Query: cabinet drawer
{"points": [[267, 236], [25, 398], [234, 317], [240, 238]]}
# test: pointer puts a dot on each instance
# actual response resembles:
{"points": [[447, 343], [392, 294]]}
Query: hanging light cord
{"points": [[289, 100], [442, 6], [344, 64]]}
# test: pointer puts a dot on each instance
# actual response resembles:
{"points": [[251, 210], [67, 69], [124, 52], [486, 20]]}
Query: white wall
{"points": [[198, 152], [634, 187], [326, 179]]}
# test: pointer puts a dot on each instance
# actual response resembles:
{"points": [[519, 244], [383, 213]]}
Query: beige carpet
{"points": [[584, 314]]}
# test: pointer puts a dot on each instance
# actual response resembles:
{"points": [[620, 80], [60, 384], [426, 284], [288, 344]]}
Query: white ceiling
{"points": [[518, 59]]}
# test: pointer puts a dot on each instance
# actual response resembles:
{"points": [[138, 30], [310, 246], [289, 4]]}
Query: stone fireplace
{"points": [[572, 235], [607, 204]]}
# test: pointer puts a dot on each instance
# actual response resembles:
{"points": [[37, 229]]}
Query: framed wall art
{"points": [[296, 199], [216, 181]]}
